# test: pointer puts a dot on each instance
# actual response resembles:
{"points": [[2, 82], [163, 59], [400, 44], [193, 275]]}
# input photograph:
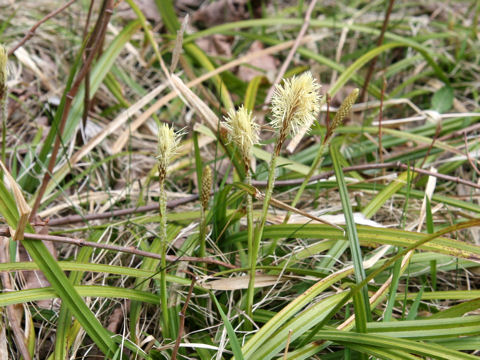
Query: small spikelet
{"points": [[342, 112], [3, 71], [344, 109], [295, 104], [167, 147], [206, 186], [242, 131]]}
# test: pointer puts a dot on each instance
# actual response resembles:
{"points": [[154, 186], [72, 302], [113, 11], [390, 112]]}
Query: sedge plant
{"points": [[341, 114], [243, 133], [295, 103], [168, 141]]}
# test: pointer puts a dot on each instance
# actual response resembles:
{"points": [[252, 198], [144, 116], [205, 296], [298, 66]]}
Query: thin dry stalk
{"points": [[31, 32], [371, 68], [182, 315], [97, 40], [127, 250]]}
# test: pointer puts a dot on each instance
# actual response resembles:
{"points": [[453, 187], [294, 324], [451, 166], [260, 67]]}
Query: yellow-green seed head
{"points": [[3, 71], [206, 186], [344, 109], [295, 103], [341, 114], [167, 146], [242, 131]]}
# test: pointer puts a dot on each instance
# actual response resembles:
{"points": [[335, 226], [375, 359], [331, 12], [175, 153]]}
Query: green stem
{"points": [[316, 162], [251, 259], [163, 261], [203, 232], [259, 230]]}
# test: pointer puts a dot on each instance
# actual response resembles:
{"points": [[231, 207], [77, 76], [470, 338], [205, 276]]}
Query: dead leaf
{"points": [[220, 12], [264, 65], [216, 45], [241, 282], [115, 319]]}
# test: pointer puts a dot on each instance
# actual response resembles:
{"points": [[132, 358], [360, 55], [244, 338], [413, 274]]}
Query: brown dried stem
{"points": [[127, 250], [96, 41], [371, 68], [182, 315]]}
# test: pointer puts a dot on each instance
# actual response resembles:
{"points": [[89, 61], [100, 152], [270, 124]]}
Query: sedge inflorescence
{"points": [[168, 141], [295, 104], [242, 131]]}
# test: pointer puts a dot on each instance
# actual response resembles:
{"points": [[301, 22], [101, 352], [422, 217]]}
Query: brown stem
{"points": [[122, 212], [97, 37], [31, 32], [127, 250], [182, 314], [374, 60], [380, 118]]}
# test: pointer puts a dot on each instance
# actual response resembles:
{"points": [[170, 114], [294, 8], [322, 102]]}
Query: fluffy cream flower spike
{"points": [[242, 131], [295, 104], [168, 141]]}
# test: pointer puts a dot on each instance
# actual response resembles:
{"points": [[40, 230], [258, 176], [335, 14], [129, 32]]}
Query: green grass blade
{"points": [[236, 349], [252, 91], [362, 313]]}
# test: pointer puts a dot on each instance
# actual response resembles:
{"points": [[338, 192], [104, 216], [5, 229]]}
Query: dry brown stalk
{"points": [[128, 250], [96, 42]]}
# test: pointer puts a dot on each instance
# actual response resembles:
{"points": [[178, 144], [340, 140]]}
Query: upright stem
{"points": [[259, 230], [203, 232], [163, 261], [251, 259], [316, 162]]}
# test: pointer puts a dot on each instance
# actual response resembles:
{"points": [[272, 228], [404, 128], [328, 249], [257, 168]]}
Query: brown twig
{"points": [[122, 212], [127, 250], [102, 21], [395, 165], [88, 49], [182, 315], [468, 155], [380, 118], [371, 68], [289, 338], [430, 147], [31, 32]]}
